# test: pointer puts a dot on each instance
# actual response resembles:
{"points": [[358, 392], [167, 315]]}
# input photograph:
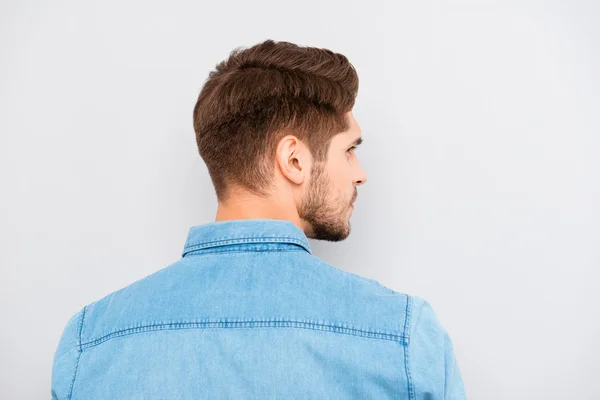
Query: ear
{"points": [[293, 159]]}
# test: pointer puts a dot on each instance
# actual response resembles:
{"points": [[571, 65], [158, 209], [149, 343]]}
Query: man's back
{"points": [[249, 312]]}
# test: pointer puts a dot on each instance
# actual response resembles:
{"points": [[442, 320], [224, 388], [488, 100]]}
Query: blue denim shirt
{"points": [[248, 312]]}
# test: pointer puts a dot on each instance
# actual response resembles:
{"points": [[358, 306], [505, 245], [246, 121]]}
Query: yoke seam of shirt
{"points": [[246, 324]]}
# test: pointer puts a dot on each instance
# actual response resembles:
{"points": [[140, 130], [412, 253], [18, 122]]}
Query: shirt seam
{"points": [[273, 323], [251, 239], [242, 251], [79, 351], [406, 334]]}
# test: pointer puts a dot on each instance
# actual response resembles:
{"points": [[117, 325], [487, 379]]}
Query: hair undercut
{"points": [[260, 94]]}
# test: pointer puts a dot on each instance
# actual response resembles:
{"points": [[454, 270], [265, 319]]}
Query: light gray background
{"points": [[482, 146]]}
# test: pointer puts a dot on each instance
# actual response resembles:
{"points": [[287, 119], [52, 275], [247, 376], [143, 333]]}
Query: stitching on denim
{"points": [[246, 324], [302, 244], [407, 322], [242, 251], [261, 239], [79, 351], [250, 236]]}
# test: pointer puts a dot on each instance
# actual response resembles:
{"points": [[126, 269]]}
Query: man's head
{"points": [[274, 126]]}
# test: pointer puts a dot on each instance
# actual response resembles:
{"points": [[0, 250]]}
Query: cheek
{"points": [[340, 176], [341, 184], [342, 168]]}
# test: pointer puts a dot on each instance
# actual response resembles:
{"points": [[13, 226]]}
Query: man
{"points": [[248, 312]]}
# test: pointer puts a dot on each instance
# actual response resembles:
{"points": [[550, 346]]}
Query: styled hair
{"points": [[260, 94]]}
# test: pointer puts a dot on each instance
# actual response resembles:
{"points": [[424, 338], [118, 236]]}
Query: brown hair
{"points": [[258, 95]]}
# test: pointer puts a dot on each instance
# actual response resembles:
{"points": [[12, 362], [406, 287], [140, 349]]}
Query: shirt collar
{"points": [[223, 233]]}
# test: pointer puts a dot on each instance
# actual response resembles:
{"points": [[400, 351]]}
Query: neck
{"points": [[258, 208]]}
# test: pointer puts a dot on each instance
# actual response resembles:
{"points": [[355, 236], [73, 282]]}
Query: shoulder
{"points": [[423, 319], [66, 356], [432, 360], [376, 305], [341, 274]]}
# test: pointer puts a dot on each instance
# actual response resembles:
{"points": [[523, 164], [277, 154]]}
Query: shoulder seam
{"points": [[79, 350], [409, 301], [406, 334]]}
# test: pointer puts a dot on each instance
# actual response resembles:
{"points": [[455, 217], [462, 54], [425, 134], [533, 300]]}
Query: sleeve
{"points": [[66, 358], [432, 364]]}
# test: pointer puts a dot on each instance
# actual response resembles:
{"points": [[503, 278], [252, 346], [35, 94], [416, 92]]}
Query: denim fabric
{"points": [[248, 312]]}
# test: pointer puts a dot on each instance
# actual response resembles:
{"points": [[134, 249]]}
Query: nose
{"points": [[361, 177]]}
